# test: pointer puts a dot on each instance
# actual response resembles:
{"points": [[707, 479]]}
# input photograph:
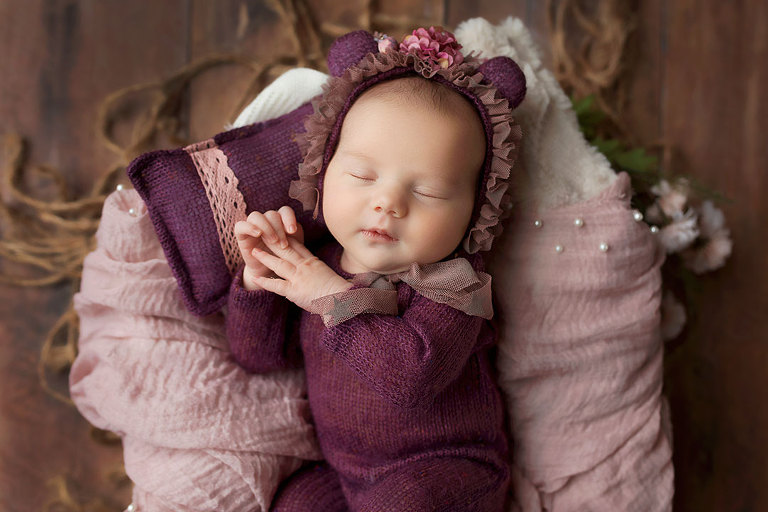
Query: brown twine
{"points": [[48, 237], [588, 42]]}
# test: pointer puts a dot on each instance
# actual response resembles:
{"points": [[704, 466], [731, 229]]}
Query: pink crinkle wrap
{"points": [[580, 362], [198, 432], [580, 358]]}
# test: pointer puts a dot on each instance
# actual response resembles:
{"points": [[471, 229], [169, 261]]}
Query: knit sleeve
{"points": [[409, 359], [262, 329]]}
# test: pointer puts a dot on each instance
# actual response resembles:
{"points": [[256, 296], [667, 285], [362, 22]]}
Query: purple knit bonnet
{"points": [[359, 60]]}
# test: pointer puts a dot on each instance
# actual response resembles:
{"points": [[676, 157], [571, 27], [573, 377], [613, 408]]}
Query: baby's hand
{"points": [[273, 227], [301, 276]]}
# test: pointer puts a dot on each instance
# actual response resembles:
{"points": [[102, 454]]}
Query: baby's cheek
{"points": [[441, 235], [336, 210]]}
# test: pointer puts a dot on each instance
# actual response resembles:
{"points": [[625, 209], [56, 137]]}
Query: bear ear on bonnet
{"points": [[501, 72]]}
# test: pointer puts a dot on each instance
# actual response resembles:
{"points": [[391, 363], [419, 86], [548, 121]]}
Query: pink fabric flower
{"points": [[385, 42], [672, 198], [435, 45], [710, 256], [716, 237], [711, 220], [681, 233]]}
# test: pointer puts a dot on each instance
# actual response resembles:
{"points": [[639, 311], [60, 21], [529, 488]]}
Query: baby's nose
{"points": [[391, 203]]}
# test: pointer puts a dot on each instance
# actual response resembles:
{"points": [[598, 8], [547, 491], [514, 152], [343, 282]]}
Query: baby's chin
{"points": [[382, 267]]}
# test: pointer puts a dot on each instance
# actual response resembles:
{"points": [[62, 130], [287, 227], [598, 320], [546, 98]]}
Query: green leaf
{"points": [[588, 116], [637, 160], [608, 147], [643, 167], [630, 160], [583, 105]]}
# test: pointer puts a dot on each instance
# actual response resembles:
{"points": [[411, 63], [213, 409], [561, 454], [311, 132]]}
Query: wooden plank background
{"points": [[698, 79]]}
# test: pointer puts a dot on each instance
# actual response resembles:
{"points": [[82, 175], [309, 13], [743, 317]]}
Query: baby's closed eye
{"points": [[430, 193], [362, 175]]}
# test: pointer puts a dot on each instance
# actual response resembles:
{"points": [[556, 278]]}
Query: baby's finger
{"points": [[245, 229], [289, 219], [277, 225], [262, 222], [250, 260], [277, 265], [273, 285], [294, 253]]}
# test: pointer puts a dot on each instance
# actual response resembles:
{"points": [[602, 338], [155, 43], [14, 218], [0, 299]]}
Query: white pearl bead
{"points": [[578, 222], [119, 187], [538, 223], [604, 247], [654, 229], [638, 216], [132, 211], [559, 249], [131, 508]]}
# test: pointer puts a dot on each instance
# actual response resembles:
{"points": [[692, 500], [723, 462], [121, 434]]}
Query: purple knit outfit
{"points": [[405, 407]]}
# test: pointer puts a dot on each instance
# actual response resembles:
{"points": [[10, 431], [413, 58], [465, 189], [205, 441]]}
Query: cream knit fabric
{"points": [[288, 92]]}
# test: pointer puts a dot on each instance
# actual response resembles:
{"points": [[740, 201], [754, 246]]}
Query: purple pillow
{"points": [[264, 159]]}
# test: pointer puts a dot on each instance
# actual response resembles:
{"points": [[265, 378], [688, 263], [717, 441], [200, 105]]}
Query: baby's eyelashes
{"points": [[429, 194], [361, 176]]}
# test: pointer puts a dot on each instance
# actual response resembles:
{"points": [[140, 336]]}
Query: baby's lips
{"points": [[380, 232]]}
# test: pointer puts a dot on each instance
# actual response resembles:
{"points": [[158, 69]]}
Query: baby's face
{"points": [[400, 188]]}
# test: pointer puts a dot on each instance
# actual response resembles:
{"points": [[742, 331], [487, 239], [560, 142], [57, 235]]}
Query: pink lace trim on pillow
{"points": [[227, 203]]}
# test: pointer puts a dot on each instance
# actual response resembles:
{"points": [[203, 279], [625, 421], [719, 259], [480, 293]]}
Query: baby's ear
{"points": [[504, 74], [350, 49]]}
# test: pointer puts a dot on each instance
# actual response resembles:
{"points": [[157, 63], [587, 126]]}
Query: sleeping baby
{"points": [[408, 161]]}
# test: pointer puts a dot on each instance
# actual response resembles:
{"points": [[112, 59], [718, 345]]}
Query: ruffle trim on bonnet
{"points": [[503, 134]]}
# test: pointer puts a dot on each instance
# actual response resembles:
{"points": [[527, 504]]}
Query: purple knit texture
{"points": [[264, 157], [507, 77], [311, 489], [405, 407], [349, 49], [168, 183]]}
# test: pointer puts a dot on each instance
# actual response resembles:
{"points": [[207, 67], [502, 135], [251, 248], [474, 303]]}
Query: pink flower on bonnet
{"points": [[434, 44]]}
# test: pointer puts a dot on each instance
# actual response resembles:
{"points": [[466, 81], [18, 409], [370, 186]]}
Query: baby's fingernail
{"points": [[256, 232], [284, 244], [292, 228]]}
